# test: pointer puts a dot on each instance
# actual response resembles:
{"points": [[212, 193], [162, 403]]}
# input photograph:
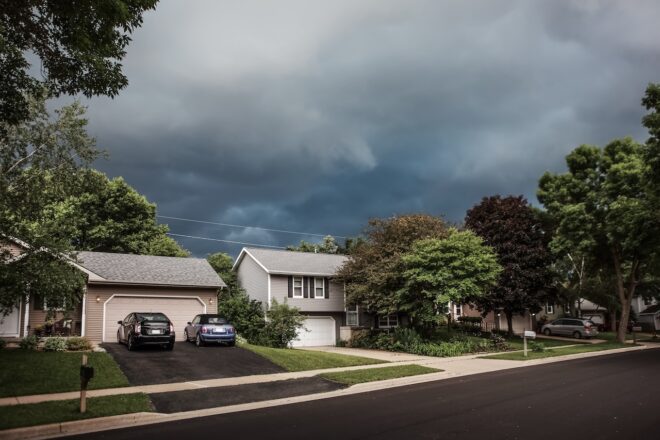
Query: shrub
{"points": [[470, 319], [245, 314], [282, 325], [78, 344], [538, 347], [406, 336], [29, 343], [55, 343], [3, 343], [361, 339], [498, 343]]}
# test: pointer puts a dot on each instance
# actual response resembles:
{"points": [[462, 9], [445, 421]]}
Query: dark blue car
{"points": [[207, 328]]}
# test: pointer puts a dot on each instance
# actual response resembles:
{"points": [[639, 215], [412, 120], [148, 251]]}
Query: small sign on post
{"points": [[636, 329], [527, 334], [86, 373]]}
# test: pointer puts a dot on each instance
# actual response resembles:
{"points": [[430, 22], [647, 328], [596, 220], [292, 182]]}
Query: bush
{"points": [[3, 343], [470, 319], [245, 314], [29, 343], [498, 342], [282, 325], [538, 347], [55, 343], [78, 344]]}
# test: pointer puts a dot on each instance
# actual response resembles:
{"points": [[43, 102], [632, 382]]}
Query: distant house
{"points": [[520, 323], [118, 284], [649, 318], [303, 280]]}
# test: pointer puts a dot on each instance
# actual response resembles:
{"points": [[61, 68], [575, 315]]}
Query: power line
{"points": [[251, 227], [225, 241]]}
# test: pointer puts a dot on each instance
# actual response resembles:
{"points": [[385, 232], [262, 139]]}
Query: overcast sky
{"points": [[315, 116]]}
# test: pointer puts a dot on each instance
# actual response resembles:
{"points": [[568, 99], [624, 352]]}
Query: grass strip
{"points": [[17, 416], [25, 372], [374, 374], [518, 356], [302, 360]]}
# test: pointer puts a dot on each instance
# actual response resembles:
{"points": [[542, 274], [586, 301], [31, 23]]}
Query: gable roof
{"points": [[149, 269], [651, 310], [281, 262]]}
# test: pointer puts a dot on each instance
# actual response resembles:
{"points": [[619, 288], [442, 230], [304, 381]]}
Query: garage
{"points": [[180, 310], [318, 331]]}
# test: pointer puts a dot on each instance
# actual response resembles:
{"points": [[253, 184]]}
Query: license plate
{"points": [[155, 332], [219, 330]]}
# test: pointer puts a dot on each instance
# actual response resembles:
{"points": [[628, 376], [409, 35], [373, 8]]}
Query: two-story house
{"points": [[303, 280]]}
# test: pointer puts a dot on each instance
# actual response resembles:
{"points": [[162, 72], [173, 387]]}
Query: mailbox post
{"points": [[86, 373], [527, 334], [635, 329]]}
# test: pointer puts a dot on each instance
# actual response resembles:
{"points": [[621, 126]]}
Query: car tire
{"points": [[185, 335], [198, 341], [231, 344], [577, 335], [547, 332], [118, 338], [130, 344], [170, 346]]}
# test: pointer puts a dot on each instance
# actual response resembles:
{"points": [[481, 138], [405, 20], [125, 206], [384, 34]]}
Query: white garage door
{"points": [[317, 331], [10, 324], [179, 310]]}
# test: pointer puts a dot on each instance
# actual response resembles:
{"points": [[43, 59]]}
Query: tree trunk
{"points": [[509, 322], [625, 292]]}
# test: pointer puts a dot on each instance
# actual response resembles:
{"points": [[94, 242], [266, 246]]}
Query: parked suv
{"points": [[146, 329], [210, 328], [575, 327]]}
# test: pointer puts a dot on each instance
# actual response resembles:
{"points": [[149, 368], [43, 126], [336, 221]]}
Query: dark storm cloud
{"points": [[315, 116]]}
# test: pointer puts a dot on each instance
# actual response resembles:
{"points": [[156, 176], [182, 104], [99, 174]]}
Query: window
{"points": [[550, 309], [297, 287], [40, 303], [457, 310], [388, 321], [352, 319], [319, 288]]}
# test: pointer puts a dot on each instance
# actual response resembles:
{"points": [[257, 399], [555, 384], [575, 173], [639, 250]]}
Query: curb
{"points": [[140, 419]]}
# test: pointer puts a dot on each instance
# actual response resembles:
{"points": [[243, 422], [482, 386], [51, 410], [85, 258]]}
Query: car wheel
{"points": [[129, 343], [231, 344], [547, 332], [198, 341], [118, 338], [577, 335], [170, 346], [185, 335]]}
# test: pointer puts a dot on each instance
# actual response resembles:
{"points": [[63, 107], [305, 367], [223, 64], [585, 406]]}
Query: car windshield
{"points": [[213, 320], [152, 317]]}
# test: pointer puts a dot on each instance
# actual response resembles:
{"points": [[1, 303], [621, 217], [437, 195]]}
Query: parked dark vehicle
{"points": [[576, 327], [146, 329], [210, 328]]}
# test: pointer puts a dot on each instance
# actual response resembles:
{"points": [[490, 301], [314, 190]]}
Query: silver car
{"points": [[575, 327]]}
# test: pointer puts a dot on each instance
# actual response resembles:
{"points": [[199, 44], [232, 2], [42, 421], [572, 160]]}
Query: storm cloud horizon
{"points": [[316, 116]]}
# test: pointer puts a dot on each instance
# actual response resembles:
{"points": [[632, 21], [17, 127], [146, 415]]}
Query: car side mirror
{"points": [[120, 322], [189, 323]]}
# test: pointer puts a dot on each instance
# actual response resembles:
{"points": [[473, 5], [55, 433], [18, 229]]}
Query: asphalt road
{"points": [[152, 365], [605, 397]]}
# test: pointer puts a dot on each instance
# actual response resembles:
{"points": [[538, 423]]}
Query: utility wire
{"points": [[225, 241], [251, 227]]}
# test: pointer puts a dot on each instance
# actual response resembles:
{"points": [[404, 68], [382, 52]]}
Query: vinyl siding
{"points": [[253, 279], [279, 288], [38, 317], [94, 320]]}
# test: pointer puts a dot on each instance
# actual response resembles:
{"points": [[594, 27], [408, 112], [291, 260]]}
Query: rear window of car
{"points": [[213, 320], [152, 317]]}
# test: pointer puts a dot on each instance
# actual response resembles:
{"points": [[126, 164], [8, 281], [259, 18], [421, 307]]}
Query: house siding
{"points": [[38, 317], [279, 287], [253, 279], [94, 319]]}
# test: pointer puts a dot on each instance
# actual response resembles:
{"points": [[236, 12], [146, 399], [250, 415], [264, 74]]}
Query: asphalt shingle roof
{"points": [[149, 269], [652, 309], [291, 262]]}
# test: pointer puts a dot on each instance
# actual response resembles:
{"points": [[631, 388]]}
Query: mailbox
{"points": [[637, 328], [529, 334], [86, 372]]}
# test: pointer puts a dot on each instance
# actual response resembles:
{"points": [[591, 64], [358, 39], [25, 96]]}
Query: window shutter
{"points": [[305, 287], [290, 295], [326, 281]]}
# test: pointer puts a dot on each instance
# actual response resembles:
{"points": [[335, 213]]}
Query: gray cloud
{"points": [[315, 116]]}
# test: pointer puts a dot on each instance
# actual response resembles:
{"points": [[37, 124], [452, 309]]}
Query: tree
{"points": [[651, 121], [223, 264], [511, 227], [78, 44], [374, 271], [246, 314], [327, 246], [603, 209], [441, 270]]}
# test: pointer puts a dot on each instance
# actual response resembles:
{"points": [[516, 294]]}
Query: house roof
{"points": [[283, 262], [651, 310], [149, 269]]}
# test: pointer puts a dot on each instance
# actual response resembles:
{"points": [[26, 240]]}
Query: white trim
{"points": [[334, 325], [18, 322], [84, 313], [310, 274], [269, 293], [389, 325], [26, 315], [293, 286], [322, 288], [143, 296]]}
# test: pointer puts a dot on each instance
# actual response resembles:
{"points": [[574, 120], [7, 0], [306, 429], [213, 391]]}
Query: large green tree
{"points": [[77, 44], [441, 270], [223, 263], [374, 270], [512, 227], [604, 208]]}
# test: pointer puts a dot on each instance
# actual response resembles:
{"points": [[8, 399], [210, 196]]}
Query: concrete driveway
{"points": [[153, 365]]}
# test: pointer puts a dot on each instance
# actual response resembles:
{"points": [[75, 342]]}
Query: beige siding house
{"points": [[118, 284], [301, 279]]}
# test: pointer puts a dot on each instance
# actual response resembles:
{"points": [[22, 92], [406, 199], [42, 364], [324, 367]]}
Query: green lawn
{"points": [[583, 348], [17, 416], [516, 342], [24, 372], [374, 374], [302, 360]]}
